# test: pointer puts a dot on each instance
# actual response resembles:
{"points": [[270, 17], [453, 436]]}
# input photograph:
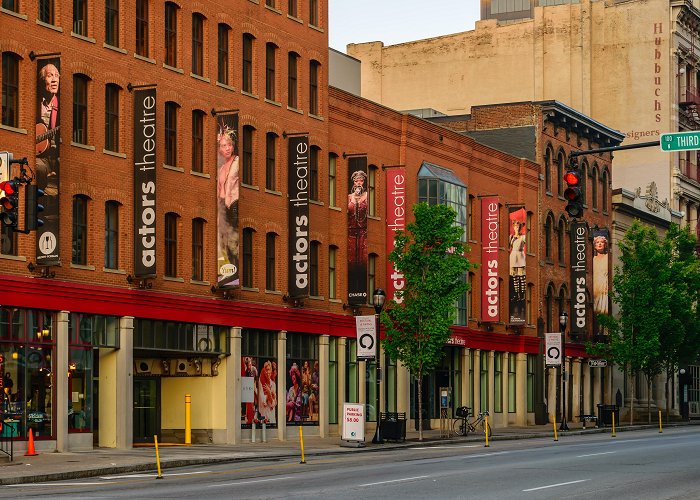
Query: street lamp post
{"points": [[563, 318], [378, 301]]}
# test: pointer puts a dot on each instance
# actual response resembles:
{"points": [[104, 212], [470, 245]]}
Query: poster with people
{"points": [[302, 392], [601, 265], [517, 248], [357, 231], [259, 377], [227, 189], [47, 160]]}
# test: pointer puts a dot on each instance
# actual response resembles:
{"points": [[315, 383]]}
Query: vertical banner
{"points": [[490, 229], [303, 403], [395, 221], [145, 182], [366, 330], [516, 270], [298, 224], [579, 254], [357, 231], [47, 163], [227, 190], [601, 263]]}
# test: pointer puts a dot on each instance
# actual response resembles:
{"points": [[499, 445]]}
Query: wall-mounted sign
{"points": [[597, 363], [552, 352]]}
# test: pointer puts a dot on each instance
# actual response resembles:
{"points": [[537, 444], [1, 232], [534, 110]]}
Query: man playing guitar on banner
{"points": [[46, 130]]}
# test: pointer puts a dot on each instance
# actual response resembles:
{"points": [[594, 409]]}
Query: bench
{"points": [[588, 418]]}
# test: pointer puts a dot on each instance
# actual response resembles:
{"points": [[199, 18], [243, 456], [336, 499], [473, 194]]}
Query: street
{"points": [[634, 465]]}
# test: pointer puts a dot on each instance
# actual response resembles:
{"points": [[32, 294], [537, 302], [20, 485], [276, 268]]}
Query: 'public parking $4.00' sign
{"points": [[552, 352]]}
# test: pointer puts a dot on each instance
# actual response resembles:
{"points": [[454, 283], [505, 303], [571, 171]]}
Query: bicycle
{"points": [[462, 426]]}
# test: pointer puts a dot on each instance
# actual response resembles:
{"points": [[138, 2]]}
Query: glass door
{"points": [[146, 409]]}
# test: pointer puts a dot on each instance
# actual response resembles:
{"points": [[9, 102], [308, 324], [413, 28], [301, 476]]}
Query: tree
{"points": [[431, 257]]}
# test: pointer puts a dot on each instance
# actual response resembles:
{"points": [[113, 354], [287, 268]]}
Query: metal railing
{"points": [[689, 95], [6, 442]]}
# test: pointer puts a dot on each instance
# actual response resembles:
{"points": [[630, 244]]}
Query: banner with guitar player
{"points": [[47, 158]]}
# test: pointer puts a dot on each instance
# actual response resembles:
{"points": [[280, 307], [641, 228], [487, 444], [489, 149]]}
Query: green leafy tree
{"points": [[433, 261]]}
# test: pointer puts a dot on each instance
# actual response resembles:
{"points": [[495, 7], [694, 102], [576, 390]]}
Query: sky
{"points": [[394, 21]]}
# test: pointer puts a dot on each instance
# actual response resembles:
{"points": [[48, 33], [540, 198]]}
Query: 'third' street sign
{"points": [[597, 363], [680, 141]]}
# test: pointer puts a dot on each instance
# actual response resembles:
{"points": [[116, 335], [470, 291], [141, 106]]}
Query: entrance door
{"points": [[146, 409]]}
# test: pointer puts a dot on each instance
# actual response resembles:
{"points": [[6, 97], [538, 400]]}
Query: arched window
{"points": [[79, 242], [549, 309], [594, 187], [561, 300], [561, 167], [10, 89], [247, 257], [584, 177], [548, 170], [332, 177], [112, 92], [548, 229], [270, 253], [247, 156], [171, 34], [198, 249], [604, 181], [171, 133], [332, 256], [80, 109], [271, 161], [561, 241], [529, 304], [171, 220], [197, 140], [112, 235], [198, 44], [314, 250], [372, 190]]}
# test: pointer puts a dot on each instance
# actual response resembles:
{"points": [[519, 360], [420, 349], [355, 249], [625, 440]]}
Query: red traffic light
{"points": [[9, 187], [9, 199], [572, 178]]}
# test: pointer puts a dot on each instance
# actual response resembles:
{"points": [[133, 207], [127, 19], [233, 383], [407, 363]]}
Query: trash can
{"points": [[605, 415], [393, 426], [9, 428]]}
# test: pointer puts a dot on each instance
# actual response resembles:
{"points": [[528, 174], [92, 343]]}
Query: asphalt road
{"points": [[634, 465]]}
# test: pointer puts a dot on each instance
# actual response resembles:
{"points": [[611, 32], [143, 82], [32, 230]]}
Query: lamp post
{"points": [[378, 300], [563, 318]]}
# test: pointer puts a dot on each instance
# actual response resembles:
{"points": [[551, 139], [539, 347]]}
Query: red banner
{"points": [[490, 229], [395, 221]]}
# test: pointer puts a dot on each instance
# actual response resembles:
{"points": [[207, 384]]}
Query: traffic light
{"points": [[33, 208], [573, 194], [9, 202]]}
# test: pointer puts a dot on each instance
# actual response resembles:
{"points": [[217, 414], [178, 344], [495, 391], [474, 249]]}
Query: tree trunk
{"points": [[420, 405], [632, 391]]}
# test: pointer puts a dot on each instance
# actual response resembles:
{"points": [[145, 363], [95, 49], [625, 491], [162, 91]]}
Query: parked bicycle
{"points": [[462, 426]]}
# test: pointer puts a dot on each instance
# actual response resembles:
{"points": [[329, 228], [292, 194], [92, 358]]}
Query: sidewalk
{"points": [[106, 461]]}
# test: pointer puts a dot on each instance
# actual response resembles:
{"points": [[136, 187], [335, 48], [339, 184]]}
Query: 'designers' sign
{"points": [[552, 349], [365, 327], [353, 422]]}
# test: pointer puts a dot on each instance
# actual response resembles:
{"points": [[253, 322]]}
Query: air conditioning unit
{"points": [[165, 367], [202, 340], [143, 365], [182, 366]]}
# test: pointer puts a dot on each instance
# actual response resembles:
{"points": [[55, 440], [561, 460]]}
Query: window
{"points": [[171, 133], [313, 269], [528, 229], [80, 227], [80, 109], [332, 254], [197, 140], [498, 382], [333, 380], [471, 311], [438, 185], [112, 22], [198, 44], [604, 185], [471, 220], [511, 383], [461, 307], [561, 253], [10, 89], [313, 12], [8, 240], [247, 73], [313, 87], [46, 11], [584, 176], [247, 255], [11, 5], [142, 27], [313, 173], [112, 235], [484, 380], [561, 302], [594, 188], [332, 170], [80, 17], [292, 90], [247, 158], [548, 171], [371, 275], [531, 362], [171, 244], [171, 34], [292, 8], [112, 117], [198, 249], [561, 165], [270, 64], [270, 277], [548, 228], [223, 57], [270, 161], [529, 312], [372, 190], [549, 308]]}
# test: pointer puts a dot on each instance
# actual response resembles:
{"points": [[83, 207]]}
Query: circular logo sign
{"points": [[47, 243]]}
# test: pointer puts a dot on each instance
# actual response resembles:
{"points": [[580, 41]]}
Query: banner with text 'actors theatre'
{"points": [[579, 254], [47, 164], [395, 221], [357, 231], [517, 247], [145, 182], [298, 225], [227, 191], [490, 229]]}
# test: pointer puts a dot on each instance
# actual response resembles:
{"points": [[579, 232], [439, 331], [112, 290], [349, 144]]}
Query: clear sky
{"points": [[394, 21]]}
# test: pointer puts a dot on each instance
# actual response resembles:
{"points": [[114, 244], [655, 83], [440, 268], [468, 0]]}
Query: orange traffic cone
{"points": [[31, 452]]}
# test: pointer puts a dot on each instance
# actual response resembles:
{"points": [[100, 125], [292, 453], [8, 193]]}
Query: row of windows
{"points": [[589, 175]]}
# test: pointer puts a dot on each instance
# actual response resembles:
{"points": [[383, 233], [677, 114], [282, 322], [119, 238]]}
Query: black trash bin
{"points": [[393, 426], [605, 415]]}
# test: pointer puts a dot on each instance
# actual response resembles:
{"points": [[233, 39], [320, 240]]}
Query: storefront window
{"points": [[259, 378], [80, 389], [351, 378], [390, 384], [484, 381], [302, 379], [370, 391], [498, 382], [333, 381], [531, 382], [511, 383]]}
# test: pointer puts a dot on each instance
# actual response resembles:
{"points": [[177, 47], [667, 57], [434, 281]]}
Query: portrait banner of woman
{"points": [[601, 266], [302, 406], [357, 230], [517, 277], [227, 191]]}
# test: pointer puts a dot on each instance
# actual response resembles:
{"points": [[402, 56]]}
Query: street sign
{"points": [[680, 141], [597, 363], [552, 352]]}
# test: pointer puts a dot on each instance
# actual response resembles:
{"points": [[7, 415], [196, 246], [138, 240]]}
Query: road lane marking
{"points": [[237, 483], [447, 447], [555, 485], [395, 481], [131, 476], [596, 454], [54, 484]]}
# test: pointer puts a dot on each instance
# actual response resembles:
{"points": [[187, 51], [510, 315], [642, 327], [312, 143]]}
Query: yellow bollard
{"points": [[613, 422], [155, 440], [301, 441], [486, 431], [660, 428], [188, 419], [554, 425]]}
